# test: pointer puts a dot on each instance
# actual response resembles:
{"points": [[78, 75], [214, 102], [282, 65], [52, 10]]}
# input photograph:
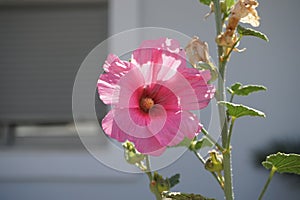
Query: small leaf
{"points": [[234, 87], [162, 184], [283, 163], [244, 90], [239, 110], [203, 142], [205, 2], [174, 180], [251, 32], [186, 142], [183, 196], [247, 89]]}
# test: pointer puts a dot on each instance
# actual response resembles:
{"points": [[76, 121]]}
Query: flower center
{"points": [[146, 104]]}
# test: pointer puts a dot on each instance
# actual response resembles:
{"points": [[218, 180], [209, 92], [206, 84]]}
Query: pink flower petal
{"points": [[108, 84], [111, 129], [149, 145], [192, 89], [190, 125], [159, 59], [170, 46], [163, 96], [133, 122], [195, 75], [130, 85], [170, 135], [116, 66], [108, 88], [178, 126]]}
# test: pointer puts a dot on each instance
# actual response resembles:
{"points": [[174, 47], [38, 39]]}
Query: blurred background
{"points": [[43, 43]]}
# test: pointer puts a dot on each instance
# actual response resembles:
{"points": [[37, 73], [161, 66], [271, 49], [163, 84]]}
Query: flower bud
{"points": [[215, 162], [131, 155]]}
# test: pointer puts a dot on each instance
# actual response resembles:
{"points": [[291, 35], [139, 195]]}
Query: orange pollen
{"points": [[146, 104]]}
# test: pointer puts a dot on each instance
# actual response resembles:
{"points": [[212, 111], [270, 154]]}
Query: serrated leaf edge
{"points": [[255, 33], [260, 113], [281, 167]]}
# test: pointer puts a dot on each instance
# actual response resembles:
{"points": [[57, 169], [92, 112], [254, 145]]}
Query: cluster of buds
{"points": [[132, 156], [243, 11], [159, 183]]}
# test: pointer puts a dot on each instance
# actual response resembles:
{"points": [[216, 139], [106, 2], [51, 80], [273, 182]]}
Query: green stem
{"points": [[148, 169], [221, 96], [228, 190], [230, 133], [199, 157], [231, 98], [273, 170], [212, 173], [227, 165], [217, 10], [204, 131], [153, 188], [148, 163]]}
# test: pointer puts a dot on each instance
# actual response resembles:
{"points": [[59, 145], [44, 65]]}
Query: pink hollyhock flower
{"points": [[152, 96]]}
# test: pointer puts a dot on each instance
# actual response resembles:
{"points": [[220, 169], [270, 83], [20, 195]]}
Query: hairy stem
{"points": [[153, 189], [231, 98], [221, 96], [273, 170], [230, 133]]}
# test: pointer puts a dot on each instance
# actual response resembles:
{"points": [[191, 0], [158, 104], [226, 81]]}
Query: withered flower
{"points": [[197, 51], [243, 11]]}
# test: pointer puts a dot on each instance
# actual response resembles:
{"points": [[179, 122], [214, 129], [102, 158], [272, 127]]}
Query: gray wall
{"points": [[273, 64]]}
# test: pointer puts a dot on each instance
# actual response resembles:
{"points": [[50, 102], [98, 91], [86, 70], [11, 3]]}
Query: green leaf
{"points": [[205, 2], [251, 32], [244, 90], [239, 110], [186, 142], [234, 87], [174, 180], [203, 142], [283, 163], [183, 196], [229, 3]]}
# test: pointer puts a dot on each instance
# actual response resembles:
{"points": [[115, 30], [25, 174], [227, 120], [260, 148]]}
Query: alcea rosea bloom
{"points": [[152, 96]]}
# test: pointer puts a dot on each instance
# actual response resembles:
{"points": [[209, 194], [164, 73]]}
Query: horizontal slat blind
{"points": [[41, 49]]}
